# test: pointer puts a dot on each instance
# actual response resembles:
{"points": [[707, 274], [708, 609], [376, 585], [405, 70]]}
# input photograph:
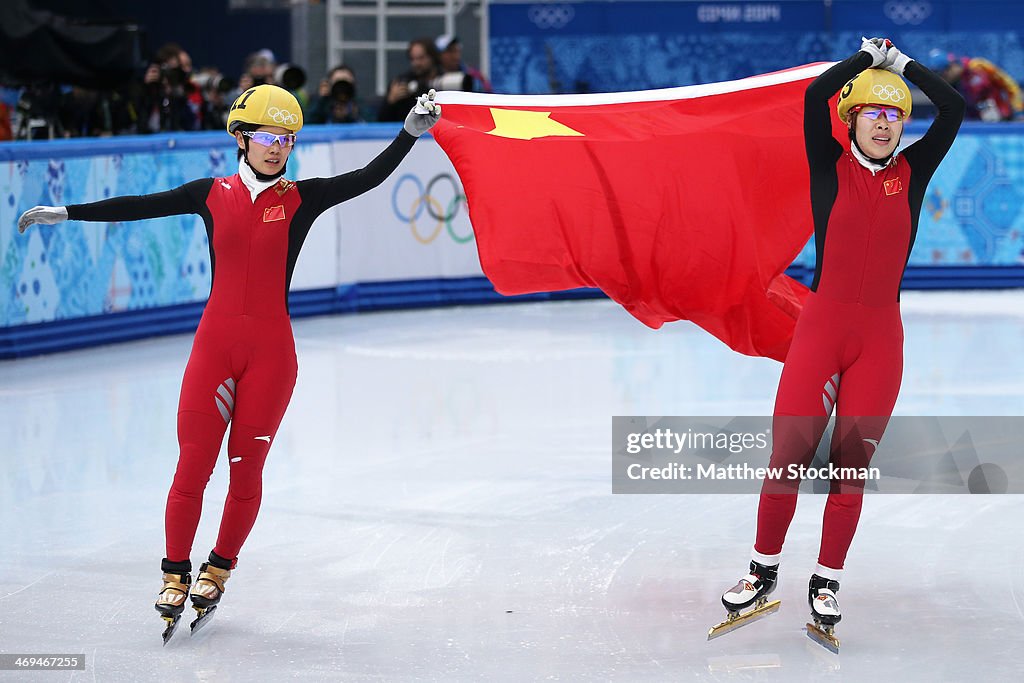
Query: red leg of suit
{"points": [[242, 369], [845, 355]]}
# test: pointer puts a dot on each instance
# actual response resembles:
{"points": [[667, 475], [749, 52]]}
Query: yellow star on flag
{"points": [[527, 125]]}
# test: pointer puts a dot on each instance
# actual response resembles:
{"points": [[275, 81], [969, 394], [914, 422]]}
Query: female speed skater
{"points": [[847, 349], [242, 367]]}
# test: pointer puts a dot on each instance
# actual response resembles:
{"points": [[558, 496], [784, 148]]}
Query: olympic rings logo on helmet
{"points": [[282, 116], [874, 86], [888, 93], [265, 105], [427, 201]]}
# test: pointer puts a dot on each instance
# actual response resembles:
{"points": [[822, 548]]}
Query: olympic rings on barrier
{"points": [[426, 201]]}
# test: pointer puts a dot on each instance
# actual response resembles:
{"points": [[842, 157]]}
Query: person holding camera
{"points": [[170, 100], [337, 98], [424, 68], [217, 92], [455, 73]]}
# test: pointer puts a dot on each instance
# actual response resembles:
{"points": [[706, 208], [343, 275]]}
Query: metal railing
{"points": [[439, 16]]}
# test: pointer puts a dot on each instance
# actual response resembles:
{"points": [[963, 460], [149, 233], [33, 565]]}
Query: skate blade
{"points": [[172, 625], [205, 615], [735, 621], [824, 636]]}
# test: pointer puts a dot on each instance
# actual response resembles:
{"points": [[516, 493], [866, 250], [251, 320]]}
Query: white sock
{"points": [[829, 573], [766, 560]]}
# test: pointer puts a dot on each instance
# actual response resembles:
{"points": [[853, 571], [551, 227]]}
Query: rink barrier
{"points": [[65, 335], [396, 292]]}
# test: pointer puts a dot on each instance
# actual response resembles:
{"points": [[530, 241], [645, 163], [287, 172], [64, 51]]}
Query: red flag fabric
{"points": [[680, 204]]}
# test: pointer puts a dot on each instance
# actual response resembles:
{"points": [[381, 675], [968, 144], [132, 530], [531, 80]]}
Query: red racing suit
{"points": [[847, 350]]}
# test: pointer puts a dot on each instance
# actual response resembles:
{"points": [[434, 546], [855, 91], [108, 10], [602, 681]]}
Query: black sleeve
{"points": [[323, 193], [822, 148], [925, 154], [189, 198]]}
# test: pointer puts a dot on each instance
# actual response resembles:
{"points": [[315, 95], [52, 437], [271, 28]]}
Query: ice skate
{"points": [[170, 603], [752, 590], [207, 592], [821, 595]]}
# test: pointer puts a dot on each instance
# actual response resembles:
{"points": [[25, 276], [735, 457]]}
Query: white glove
{"points": [[47, 215], [878, 48], [423, 116], [895, 61]]}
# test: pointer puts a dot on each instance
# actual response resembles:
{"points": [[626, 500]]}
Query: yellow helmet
{"points": [[266, 105], [877, 87]]}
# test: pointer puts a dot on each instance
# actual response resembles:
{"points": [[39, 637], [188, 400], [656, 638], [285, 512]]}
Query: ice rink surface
{"points": [[437, 506]]}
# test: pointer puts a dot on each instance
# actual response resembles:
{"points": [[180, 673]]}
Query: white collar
{"points": [[251, 182], [870, 164]]}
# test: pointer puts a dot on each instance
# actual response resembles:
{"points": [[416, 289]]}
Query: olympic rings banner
{"points": [[414, 226]]}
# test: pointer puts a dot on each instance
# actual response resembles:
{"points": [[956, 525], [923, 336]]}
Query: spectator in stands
{"points": [[450, 49], [169, 100], [423, 70], [216, 90], [124, 118], [6, 133], [38, 112], [336, 102], [991, 94], [193, 93], [259, 69], [85, 113]]}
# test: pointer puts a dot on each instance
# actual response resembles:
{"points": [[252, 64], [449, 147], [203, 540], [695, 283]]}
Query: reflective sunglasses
{"points": [[891, 113], [268, 139]]}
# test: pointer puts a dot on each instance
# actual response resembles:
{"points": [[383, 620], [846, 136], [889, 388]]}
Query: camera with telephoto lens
{"points": [[174, 75], [456, 80], [343, 91], [291, 77], [214, 82]]}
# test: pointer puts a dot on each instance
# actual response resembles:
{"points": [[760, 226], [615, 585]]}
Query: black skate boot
{"points": [[752, 589], [821, 596], [208, 589], [170, 602]]}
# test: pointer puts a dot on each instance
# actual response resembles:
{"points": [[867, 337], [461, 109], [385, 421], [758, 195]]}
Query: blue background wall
{"points": [[625, 45]]}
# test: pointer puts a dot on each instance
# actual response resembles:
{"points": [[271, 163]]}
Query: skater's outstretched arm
{"points": [[189, 198], [324, 193]]}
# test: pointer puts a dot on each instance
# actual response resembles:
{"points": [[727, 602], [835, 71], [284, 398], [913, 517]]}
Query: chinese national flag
{"points": [[680, 204]]}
